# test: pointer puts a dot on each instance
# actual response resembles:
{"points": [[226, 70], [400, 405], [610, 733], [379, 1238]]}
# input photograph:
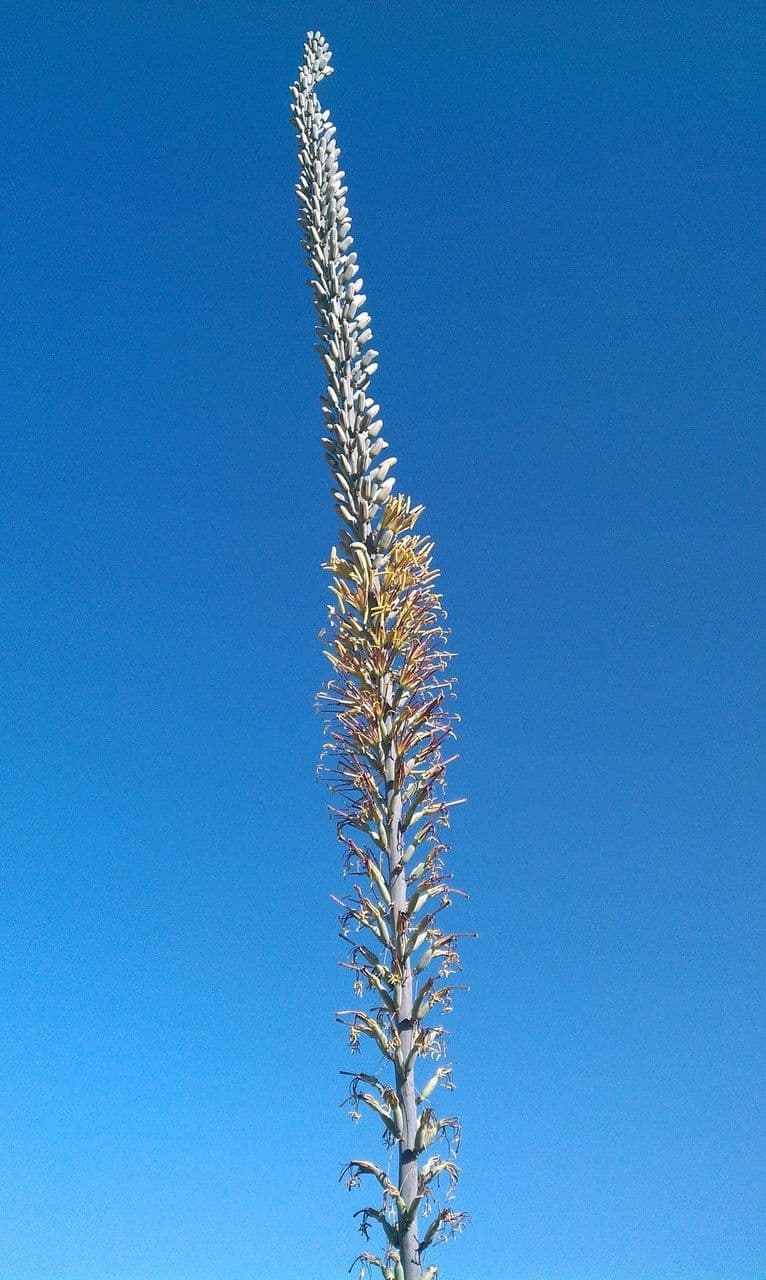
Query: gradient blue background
{"points": [[557, 210]]}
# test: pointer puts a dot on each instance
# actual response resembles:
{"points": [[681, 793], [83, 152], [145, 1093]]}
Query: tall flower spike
{"points": [[386, 726]]}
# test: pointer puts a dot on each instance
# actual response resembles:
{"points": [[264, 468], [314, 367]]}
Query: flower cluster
{"points": [[387, 724]]}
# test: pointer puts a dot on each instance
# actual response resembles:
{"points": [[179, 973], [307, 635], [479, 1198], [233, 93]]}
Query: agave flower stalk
{"points": [[387, 726]]}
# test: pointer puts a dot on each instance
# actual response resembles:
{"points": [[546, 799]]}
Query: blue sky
{"points": [[557, 212]]}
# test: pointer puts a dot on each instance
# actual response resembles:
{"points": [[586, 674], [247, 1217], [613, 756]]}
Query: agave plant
{"points": [[387, 725]]}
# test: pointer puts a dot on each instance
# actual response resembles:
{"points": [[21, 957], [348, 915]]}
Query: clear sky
{"points": [[557, 211]]}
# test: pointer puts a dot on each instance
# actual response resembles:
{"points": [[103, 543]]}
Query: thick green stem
{"points": [[409, 1244]]}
